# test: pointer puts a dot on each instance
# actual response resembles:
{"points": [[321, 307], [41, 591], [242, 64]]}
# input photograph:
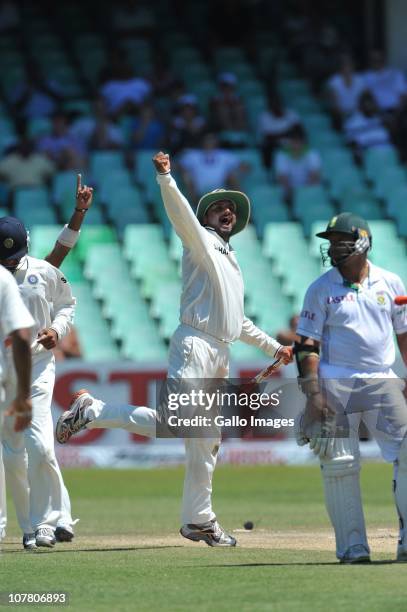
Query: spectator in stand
{"points": [[365, 128], [188, 125], [207, 168], [296, 164], [344, 89], [97, 131], [228, 113], [37, 96], [388, 85], [273, 125], [287, 337], [25, 167], [122, 90], [64, 149], [148, 130], [162, 77]]}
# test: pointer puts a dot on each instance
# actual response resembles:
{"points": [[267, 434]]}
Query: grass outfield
{"points": [[127, 554]]}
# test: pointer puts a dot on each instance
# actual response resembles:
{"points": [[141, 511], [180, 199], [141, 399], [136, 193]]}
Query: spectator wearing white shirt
{"points": [[388, 85], [122, 90], [297, 165], [273, 125], [97, 131], [344, 89], [205, 169], [365, 128]]}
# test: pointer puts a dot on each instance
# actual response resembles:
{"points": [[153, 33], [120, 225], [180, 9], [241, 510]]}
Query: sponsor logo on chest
{"points": [[338, 299]]}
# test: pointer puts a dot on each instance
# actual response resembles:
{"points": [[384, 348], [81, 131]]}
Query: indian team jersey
{"points": [[355, 327]]}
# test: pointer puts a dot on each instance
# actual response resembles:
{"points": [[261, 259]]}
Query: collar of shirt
{"points": [[214, 233], [373, 276]]}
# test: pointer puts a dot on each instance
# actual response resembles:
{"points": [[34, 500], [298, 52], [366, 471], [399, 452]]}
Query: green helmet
{"points": [[347, 223], [360, 238]]}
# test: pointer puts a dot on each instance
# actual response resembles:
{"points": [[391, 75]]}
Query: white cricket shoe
{"points": [[356, 554], [44, 536], [74, 419], [29, 541], [210, 532]]}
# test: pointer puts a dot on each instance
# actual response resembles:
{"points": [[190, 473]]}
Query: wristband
{"points": [[68, 237], [82, 210]]}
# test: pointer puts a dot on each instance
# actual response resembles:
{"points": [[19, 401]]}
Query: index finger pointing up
{"points": [[78, 182]]}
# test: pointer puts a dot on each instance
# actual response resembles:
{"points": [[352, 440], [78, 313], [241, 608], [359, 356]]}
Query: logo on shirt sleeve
{"points": [[32, 279], [307, 314]]}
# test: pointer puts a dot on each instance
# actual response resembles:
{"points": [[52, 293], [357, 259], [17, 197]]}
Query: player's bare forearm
{"points": [[84, 196], [57, 255], [402, 344]]}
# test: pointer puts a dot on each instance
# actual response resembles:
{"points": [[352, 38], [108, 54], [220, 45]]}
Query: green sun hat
{"points": [[240, 200]]}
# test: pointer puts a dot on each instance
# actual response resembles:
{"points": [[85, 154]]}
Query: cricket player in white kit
{"points": [[212, 318], [15, 325], [48, 297], [349, 316], [17, 468]]}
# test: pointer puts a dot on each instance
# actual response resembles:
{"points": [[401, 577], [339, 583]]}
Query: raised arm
{"points": [[70, 233], [180, 213]]}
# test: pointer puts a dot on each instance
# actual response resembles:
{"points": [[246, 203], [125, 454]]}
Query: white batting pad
{"points": [[342, 495]]}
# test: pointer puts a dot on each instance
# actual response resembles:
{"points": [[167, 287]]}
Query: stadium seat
{"points": [[103, 162], [29, 198], [309, 195], [140, 237], [344, 179], [42, 239], [387, 179], [377, 158], [97, 234]]}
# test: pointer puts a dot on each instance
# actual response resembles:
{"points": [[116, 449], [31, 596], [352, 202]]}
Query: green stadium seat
{"points": [[28, 198], [137, 238], [245, 352], [42, 239], [280, 236], [369, 208], [97, 234], [336, 158], [313, 213], [141, 346], [309, 196], [395, 200], [345, 178], [94, 335], [72, 269], [64, 186], [375, 159], [103, 162], [41, 216], [387, 179]]}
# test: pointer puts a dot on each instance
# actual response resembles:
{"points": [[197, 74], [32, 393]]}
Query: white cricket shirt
{"points": [[213, 292], [48, 297], [13, 314], [355, 328]]}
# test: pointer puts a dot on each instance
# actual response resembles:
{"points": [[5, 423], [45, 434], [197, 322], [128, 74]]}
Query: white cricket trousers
{"points": [[192, 354], [32, 472]]}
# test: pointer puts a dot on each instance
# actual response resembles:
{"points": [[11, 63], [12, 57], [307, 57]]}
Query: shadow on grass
{"points": [[82, 550], [299, 564]]}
